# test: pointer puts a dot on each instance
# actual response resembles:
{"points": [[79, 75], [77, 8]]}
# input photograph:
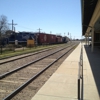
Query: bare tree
{"points": [[3, 27]]}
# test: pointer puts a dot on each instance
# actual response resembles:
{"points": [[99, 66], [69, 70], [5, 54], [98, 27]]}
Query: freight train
{"points": [[39, 38], [43, 38]]}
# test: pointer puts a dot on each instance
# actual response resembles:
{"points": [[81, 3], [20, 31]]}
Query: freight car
{"points": [[65, 39], [43, 38], [51, 38], [59, 39]]}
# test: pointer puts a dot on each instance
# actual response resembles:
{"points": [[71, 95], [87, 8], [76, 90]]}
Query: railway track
{"points": [[16, 57], [19, 79], [8, 58], [11, 66]]}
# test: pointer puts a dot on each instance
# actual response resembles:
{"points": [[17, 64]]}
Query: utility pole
{"points": [[70, 37], [39, 30], [12, 25], [13, 31], [50, 32], [64, 34]]}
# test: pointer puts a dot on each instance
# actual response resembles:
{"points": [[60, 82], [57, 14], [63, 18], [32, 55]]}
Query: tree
{"points": [[3, 27]]}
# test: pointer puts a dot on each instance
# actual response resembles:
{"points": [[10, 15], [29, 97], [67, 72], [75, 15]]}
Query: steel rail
{"points": [[24, 56], [14, 55], [10, 96], [24, 53], [21, 67]]}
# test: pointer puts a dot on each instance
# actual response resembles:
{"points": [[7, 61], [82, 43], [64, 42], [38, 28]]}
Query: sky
{"points": [[55, 16]]}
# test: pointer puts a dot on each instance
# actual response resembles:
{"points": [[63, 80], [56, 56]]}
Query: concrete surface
{"points": [[62, 85]]}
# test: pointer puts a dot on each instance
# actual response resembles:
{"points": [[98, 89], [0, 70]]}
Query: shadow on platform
{"points": [[94, 60]]}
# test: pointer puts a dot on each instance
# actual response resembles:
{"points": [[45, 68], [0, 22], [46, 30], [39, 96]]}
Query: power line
{"points": [[25, 27]]}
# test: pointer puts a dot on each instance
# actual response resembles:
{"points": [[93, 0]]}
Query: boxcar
{"points": [[59, 39], [51, 39], [42, 38]]}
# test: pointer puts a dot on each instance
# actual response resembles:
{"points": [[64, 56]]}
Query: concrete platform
{"points": [[91, 78], [62, 85]]}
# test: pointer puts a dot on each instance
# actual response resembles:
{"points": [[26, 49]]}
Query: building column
{"points": [[88, 39], [92, 44], [85, 40]]}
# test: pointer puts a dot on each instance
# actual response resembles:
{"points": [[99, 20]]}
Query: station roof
{"points": [[88, 7]]}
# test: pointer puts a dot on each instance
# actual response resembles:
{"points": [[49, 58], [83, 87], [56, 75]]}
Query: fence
{"points": [[80, 74]]}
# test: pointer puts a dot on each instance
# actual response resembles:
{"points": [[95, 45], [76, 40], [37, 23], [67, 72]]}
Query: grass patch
{"points": [[27, 50]]}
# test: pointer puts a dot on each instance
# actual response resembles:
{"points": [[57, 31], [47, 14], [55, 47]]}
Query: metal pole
{"points": [[39, 30], [85, 40], [15, 38], [50, 32], [12, 25], [14, 29], [70, 38], [92, 47], [88, 39], [79, 82], [78, 89], [1, 48]]}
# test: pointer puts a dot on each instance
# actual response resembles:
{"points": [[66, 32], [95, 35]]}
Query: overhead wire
{"points": [[24, 27]]}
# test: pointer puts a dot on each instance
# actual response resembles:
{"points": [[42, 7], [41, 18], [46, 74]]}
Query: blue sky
{"points": [[58, 16]]}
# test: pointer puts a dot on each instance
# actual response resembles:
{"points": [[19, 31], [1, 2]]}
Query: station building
{"points": [[91, 22]]}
